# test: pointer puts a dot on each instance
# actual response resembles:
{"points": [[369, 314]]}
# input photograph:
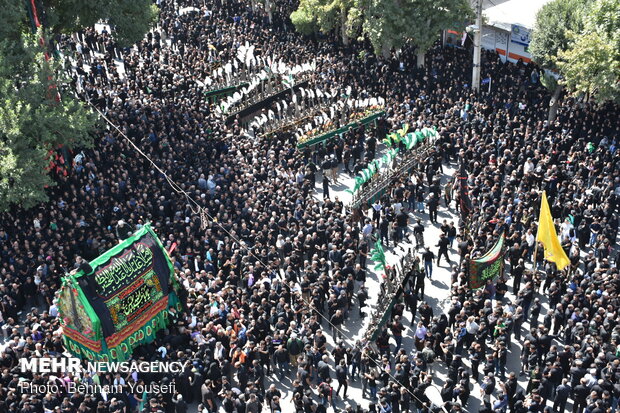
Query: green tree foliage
{"points": [[328, 15], [551, 35], [130, 19], [580, 40], [37, 116], [390, 23], [38, 113], [305, 18], [555, 22], [387, 23], [12, 20], [591, 65]]}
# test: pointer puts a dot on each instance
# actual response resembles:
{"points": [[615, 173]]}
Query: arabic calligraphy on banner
{"points": [[487, 267], [129, 283], [129, 265]]}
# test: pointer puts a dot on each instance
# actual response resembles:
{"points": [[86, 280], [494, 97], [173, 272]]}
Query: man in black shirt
{"points": [[281, 358], [384, 229], [323, 369], [517, 274], [362, 296], [418, 231], [463, 247], [428, 256], [341, 376], [401, 224], [580, 395], [433, 204], [443, 245], [336, 322]]}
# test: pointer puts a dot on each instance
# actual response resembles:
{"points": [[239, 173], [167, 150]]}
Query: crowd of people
{"points": [[282, 266]]}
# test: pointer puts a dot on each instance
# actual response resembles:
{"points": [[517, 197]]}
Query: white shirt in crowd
{"points": [[530, 239], [472, 327]]}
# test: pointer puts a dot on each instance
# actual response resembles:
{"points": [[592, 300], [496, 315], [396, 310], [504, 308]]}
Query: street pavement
{"points": [[437, 294]]}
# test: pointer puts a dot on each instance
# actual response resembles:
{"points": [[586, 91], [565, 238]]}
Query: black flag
{"points": [[465, 201]]}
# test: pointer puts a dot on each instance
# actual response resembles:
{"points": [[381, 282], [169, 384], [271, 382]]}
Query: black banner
{"points": [[126, 281]]}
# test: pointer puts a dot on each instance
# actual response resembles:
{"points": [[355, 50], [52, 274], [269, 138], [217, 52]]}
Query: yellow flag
{"points": [[548, 237]]}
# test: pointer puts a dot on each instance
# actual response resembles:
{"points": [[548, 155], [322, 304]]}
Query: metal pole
{"points": [[475, 81], [535, 262]]}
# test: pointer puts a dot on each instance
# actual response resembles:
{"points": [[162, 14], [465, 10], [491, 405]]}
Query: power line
{"points": [[203, 212]]}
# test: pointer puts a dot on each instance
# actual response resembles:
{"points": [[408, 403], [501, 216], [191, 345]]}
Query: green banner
{"points": [[229, 90], [377, 254], [121, 301], [331, 134], [487, 267]]}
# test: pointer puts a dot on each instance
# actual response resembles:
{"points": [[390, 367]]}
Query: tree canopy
{"points": [[580, 40], [37, 116], [554, 23], [38, 113], [591, 65], [388, 24], [328, 15]]}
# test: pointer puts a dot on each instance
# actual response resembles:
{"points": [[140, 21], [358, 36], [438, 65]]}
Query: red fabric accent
{"points": [[172, 248], [34, 13], [116, 338], [83, 340], [517, 57]]}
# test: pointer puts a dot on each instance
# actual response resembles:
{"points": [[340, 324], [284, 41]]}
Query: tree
{"points": [[439, 15], [551, 36], [591, 65], [130, 19], [37, 116], [38, 113], [390, 23], [328, 15]]}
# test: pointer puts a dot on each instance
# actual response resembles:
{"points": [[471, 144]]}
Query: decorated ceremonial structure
{"points": [[407, 149], [120, 300], [488, 267], [392, 286]]}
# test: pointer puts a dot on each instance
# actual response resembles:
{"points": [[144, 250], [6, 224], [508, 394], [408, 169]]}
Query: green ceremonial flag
{"points": [[122, 302], [419, 137], [487, 267], [409, 141], [378, 256]]}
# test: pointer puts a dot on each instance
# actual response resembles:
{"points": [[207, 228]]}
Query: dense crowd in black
{"points": [[275, 266]]}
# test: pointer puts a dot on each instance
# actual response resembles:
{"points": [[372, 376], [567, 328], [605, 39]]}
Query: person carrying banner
{"points": [[547, 236]]}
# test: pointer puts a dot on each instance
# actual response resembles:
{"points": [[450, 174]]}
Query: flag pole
{"points": [[535, 262]]}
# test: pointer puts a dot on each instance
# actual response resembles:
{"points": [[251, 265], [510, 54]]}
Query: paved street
{"points": [[437, 294]]}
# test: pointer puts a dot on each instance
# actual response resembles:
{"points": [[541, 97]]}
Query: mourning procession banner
{"points": [[464, 200], [120, 301], [487, 267]]}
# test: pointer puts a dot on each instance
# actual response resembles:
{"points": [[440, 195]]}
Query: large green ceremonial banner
{"points": [[487, 267], [122, 303]]}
